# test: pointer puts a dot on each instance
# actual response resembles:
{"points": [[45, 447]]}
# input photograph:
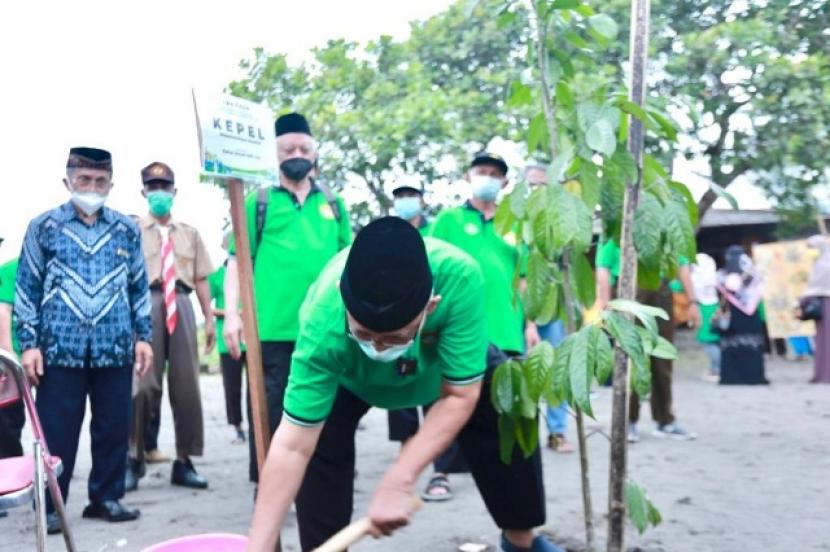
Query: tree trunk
{"points": [[628, 282]]}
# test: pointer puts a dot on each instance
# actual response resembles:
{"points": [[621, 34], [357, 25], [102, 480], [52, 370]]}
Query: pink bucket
{"points": [[213, 542]]}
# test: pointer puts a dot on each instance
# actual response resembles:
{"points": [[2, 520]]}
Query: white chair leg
{"points": [[40, 499]]}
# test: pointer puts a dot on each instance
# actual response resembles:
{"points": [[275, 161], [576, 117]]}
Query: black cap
{"points": [[402, 189], [732, 258], [387, 281], [489, 158], [157, 171], [291, 122], [89, 158]]}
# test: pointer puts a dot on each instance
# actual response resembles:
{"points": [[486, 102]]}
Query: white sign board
{"points": [[236, 139]]}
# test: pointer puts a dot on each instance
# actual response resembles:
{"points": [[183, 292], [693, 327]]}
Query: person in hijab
{"points": [[819, 286], [739, 322], [704, 275]]}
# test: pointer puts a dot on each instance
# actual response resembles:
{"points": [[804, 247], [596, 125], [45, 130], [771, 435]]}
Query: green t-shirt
{"points": [[451, 347], [705, 333], [497, 256], [609, 257], [426, 227], [216, 282], [8, 275], [297, 242]]}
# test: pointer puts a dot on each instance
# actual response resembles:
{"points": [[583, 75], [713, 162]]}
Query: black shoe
{"points": [[53, 524], [184, 474], [3, 513], [135, 471], [110, 510]]}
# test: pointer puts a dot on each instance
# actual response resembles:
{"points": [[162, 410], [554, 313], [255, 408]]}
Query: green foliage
{"points": [[640, 509]]}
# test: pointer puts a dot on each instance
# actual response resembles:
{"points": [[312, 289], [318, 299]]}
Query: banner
{"points": [[236, 139], [785, 267]]}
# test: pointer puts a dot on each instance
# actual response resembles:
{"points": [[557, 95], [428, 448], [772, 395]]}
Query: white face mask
{"points": [[485, 188], [408, 207], [88, 202], [389, 354]]}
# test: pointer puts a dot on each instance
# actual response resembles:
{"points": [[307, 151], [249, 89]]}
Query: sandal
{"points": [[436, 483]]}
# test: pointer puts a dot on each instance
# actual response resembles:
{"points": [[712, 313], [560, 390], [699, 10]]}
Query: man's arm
{"points": [[279, 482], [232, 331], [203, 294], [603, 286], [684, 274], [392, 503]]}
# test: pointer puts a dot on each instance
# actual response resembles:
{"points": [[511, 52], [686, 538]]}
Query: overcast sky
{"points": [[118, 75]]}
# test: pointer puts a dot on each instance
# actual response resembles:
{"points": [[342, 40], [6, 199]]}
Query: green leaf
{"points": [[605, 358], [650, 278], [537, 133], [507, 437], [600, 137], [505, 219], [527, 435], [581, 367], [679, 229], [560, 389], [682, 192], [648, 222], [560, 163], [506, 19], [564, 4], [640, 509], [520, 94], [538, 281], [538, 369], [641, 375], [585, 10], [587, 113], [639, 310], [625, 334], [583, 281], [591, 185], [666, 126], [721, 192], [575, 39], [635, 111], [518, 199], [501, 388], [604, 25], [624, 166], [635, 504], [564, 96], [525, 405], [664, 349]]}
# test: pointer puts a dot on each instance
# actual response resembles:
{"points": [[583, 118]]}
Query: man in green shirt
{"points": [[394, 322], [12, 417], [231, 367], [409, 205], [302, 228], [471, 227], [608, 270]]}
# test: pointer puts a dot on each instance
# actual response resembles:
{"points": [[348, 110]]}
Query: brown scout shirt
{"points": [[192, 259]]}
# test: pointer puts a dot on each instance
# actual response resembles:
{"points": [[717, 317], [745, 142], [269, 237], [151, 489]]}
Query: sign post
{"points": [[236, 147]]}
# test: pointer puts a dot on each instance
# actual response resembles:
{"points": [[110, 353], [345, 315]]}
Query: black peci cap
{"points": [[489, 158], [89, 158], [291, 122], [387, 281]]}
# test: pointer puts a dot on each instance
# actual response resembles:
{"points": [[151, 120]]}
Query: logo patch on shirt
{"points": [[326, 212], [471, 228]]}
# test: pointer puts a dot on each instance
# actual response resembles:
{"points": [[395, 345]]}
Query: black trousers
{"points": [[12, 419], [514, 494], [404, 423], [61, 402], [276, 364], [151, 433], [232, 383]]}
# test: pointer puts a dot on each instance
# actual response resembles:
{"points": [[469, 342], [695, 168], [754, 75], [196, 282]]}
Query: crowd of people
{"points": [[412, 315]]}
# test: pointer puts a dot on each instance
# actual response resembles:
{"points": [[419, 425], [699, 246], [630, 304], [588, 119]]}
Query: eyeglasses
{"points": [[83, 182]]}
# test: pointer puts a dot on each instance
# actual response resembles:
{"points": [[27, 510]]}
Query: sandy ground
{"points": [[755, 479]]}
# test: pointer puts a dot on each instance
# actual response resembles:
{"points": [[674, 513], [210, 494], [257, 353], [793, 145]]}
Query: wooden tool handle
{"points": [[346, 536]]}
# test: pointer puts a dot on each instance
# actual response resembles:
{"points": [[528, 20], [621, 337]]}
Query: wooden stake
{"points": [[256, 382], [628, 281]]}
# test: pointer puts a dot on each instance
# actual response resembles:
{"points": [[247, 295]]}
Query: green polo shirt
{"points": [[497, 256], [426, 227], [8, 275], [216, 283], [297, 242], [451, 347], [609, 257]]}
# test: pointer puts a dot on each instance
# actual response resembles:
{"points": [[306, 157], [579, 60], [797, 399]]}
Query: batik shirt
{"points": [[82, 295]]}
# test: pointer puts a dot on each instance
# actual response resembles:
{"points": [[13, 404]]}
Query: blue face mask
{"points": [[485, 188], [390, 354], [408, 207]]}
